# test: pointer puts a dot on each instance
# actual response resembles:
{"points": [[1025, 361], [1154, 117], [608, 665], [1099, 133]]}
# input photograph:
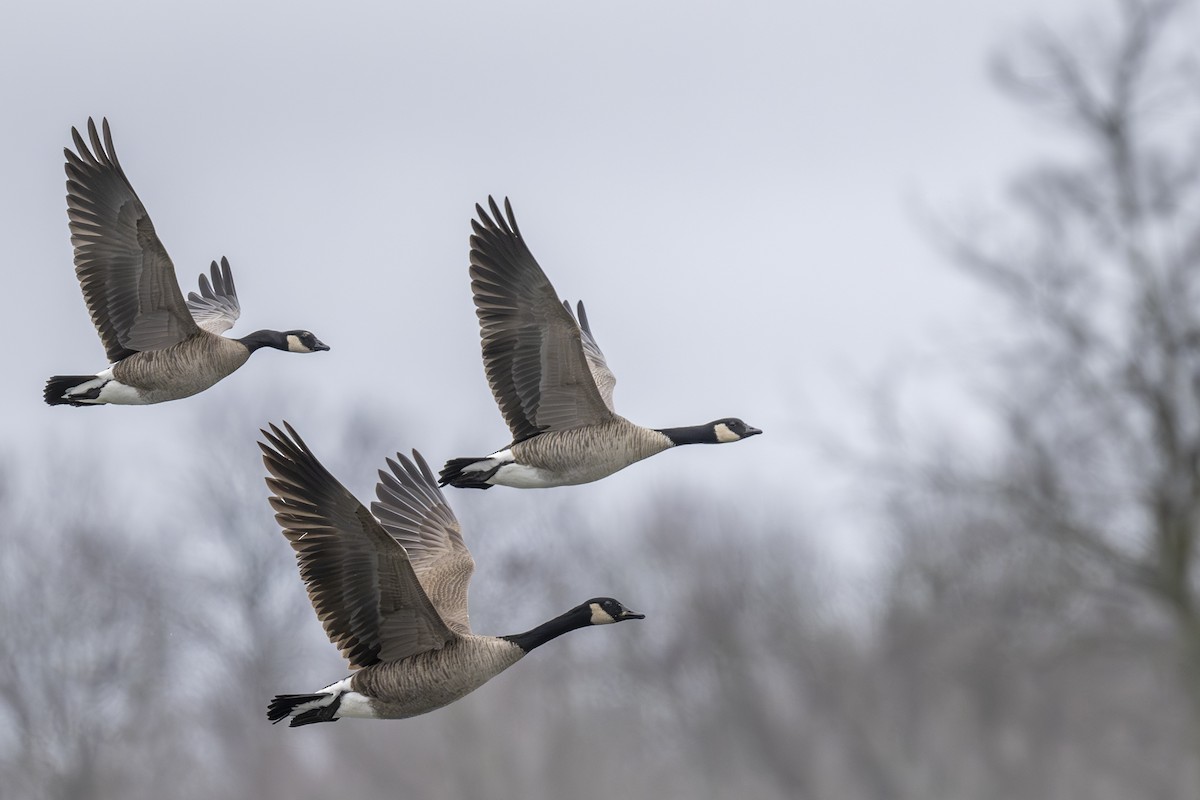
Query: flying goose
{"points": [[550, 378], [159, 347], [391, 590]]}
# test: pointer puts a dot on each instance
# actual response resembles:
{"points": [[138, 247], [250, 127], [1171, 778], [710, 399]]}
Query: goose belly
{"points": [[521, 476], [427, 681], [579, 455], [188, 368]]}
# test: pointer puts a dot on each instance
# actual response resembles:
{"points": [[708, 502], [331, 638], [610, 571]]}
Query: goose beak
{"points": [[751, 432], [627, 614], [320, 346]]}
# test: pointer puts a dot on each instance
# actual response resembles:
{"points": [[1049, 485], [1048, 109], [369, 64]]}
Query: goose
{"points": [[390, 587], [550, 378], [159, 347]]}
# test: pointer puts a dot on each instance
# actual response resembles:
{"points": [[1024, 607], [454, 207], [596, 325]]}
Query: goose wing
{"points": [[413, 510], [216, 308], [359, 578], [533, 349], [601, 374], [127, 277]]}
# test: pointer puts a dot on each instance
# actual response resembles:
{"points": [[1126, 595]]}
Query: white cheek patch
{"points": [[600, 616], [295, 345], [725, 435]]}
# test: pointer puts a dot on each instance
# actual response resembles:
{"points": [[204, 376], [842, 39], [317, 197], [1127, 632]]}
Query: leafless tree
{"points": [[86, 653], [1003, 665], [1097, 391], [139, 649]]}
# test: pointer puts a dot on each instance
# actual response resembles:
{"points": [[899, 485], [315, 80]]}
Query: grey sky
{"points": [[728, 188]]}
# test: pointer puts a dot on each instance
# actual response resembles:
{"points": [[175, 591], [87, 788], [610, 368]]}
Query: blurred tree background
{"points": [[1033, 629]]}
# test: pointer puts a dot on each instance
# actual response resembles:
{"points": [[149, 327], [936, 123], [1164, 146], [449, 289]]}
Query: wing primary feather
{"points": [[512, 219], [110, 151], [583, 320], [227, 278]]}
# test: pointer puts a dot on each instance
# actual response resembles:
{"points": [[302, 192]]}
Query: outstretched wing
{"points": [[127, 277], [216, 308], [359, 578], [601, 374], [413, 510], [532, 347]]}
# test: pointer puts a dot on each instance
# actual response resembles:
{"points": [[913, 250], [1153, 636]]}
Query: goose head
{"points": [[721, 431], [732, 429], [606, 611], [597, 611], [302, 342], [289, 341]]}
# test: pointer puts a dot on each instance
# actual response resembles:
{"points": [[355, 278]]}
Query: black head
{"points": [[605, 611], [302, 342], [732, 429]]}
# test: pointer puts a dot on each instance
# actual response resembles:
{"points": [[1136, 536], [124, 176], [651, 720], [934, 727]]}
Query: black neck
{"points": [[265, 338], [578, 617], [696, 434]]}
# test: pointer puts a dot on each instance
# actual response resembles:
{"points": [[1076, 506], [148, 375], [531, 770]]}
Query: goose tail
{"points": [[468, 473], [72, 390], [304, 709]]}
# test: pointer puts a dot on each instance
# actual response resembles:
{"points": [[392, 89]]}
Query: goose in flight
{"points": [[390, 587], [550, 378], [159, 347]]}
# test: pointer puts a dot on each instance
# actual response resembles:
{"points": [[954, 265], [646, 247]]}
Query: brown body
{"points": [[182, 370]]}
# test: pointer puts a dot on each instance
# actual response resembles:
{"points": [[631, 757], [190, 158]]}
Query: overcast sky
{"points": [[730, 187]]}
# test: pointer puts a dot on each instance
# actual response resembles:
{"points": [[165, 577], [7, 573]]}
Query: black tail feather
{"points": [[283, 704], [453, 474], [314, 715], [58, 386]]}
